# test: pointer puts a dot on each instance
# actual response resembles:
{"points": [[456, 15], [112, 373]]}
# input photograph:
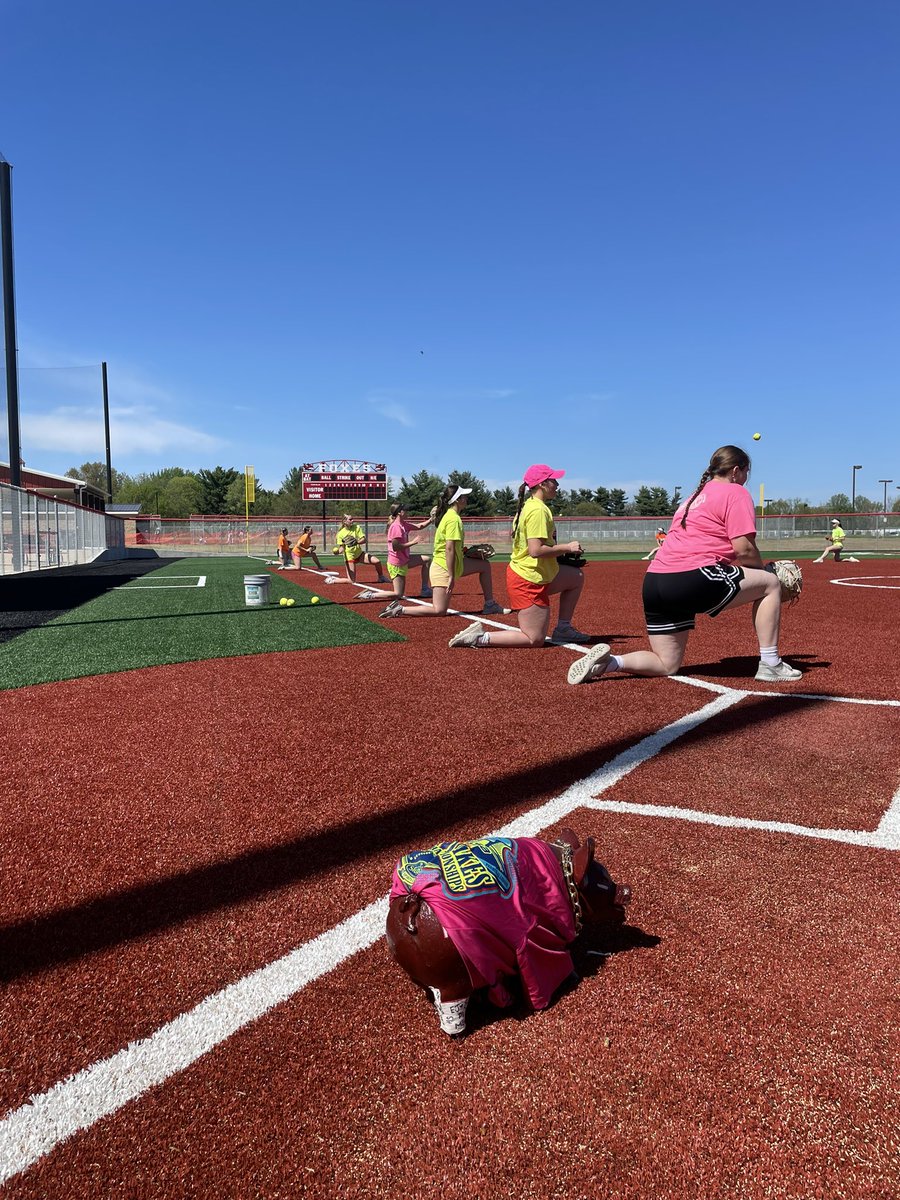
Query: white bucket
{"points": [[256, 590]]}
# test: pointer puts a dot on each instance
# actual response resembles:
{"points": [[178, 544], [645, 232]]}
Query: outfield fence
{"points": [[38, 532], [199, 535]]}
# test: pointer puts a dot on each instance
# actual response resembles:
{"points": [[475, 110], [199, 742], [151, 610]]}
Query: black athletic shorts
{"points": [[673, 599]]}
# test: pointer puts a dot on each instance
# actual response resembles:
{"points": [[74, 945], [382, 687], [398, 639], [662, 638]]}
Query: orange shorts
{"points": [[523, 593]]}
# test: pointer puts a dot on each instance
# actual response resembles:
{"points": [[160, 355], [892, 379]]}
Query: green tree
{"points": [[504, 501], [420, 493], [865, 505], [149, 488], [838, 503], [94, 473], [180, 497], [587, 508], [214, 485], [601, 497], [479, 503], [617, 502]]}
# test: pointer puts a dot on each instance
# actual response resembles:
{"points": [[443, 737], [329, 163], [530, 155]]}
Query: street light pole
{"points": [[858, 467], [884, 505]]}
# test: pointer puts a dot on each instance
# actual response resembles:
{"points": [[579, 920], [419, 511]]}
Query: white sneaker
{"points": [[368, 594], [563, 634], [394, 609], [582, 670], [468, 636], [783, 673]]}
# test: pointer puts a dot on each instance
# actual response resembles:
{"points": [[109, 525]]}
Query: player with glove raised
{"points": [[350, 541], [535, 573], [708, 562]]}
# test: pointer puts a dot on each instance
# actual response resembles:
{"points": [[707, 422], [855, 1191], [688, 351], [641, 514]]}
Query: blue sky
{"points": [[478, 234]]}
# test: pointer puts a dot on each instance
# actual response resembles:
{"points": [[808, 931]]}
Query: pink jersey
{"points": [[398, 529], [721, 512], [504, 905]]}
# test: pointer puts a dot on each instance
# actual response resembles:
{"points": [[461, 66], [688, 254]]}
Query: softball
{"points": [[315, 600], [283, 601], [757, 436], [291, 602]]}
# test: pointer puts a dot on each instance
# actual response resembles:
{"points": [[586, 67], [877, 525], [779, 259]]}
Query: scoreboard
{"points": [[344, 479]]}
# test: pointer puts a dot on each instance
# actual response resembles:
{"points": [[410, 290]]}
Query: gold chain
{"points": [[569, 874]]}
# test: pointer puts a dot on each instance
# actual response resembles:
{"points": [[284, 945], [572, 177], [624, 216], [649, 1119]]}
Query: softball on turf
{"points": [[283, 601], [757, 436], [291, 602], [315, 600]]}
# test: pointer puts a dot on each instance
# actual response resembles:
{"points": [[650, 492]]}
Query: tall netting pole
{"points": [[12, 369]]}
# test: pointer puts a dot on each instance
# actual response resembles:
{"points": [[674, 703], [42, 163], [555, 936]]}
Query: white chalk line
{"points": [[849, 581], [78, 1102]]}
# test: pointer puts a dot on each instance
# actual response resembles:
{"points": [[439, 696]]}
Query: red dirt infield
{"points": [[178, 828]]}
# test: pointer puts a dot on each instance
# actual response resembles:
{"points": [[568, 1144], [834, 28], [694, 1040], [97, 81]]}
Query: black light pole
{"points": [[858, 467], [885, 505], [106, 428], [9, 324]]}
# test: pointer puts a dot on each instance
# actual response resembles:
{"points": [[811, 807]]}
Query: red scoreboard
{"points": [[344, 479]]}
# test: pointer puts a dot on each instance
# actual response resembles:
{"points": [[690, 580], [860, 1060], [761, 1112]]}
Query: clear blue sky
{"points": [[476, 234]]}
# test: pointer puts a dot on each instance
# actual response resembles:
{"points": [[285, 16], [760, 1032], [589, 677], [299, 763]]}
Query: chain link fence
{"points": [[36, 532], [258, 537]]}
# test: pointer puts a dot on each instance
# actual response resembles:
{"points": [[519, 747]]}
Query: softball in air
{"points": [[757, 436], [283, 601], [315, 600]]}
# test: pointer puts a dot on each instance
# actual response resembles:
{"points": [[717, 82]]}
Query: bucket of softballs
{"points": [[256, 590]]}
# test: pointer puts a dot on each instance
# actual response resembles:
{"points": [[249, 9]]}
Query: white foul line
{"points": [[78, 1102]]}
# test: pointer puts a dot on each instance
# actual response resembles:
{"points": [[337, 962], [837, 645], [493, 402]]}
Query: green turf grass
{"points": [[160, 618]]}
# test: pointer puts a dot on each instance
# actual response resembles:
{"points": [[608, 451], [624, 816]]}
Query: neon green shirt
{"points": [[353, 552], [450, 529], [535, 521], [837, 535]]}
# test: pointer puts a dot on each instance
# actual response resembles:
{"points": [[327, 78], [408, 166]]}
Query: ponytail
{"points": [[523, 488], [723, 460]]}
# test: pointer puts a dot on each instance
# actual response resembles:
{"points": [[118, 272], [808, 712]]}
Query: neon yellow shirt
{"points": [[837, 535], [450, 529], [535, 521], [353, 552]]}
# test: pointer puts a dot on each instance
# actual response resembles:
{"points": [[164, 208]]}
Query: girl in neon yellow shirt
{"points": [[534, 574], [448, 563]]}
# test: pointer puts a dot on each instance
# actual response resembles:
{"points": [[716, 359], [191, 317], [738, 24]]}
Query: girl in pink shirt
{"points": [[708, 562]]}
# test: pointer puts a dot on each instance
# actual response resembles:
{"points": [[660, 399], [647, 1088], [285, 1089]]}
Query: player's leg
{"points": [[398, 579], [374, 561], [567, 584], [762, 589]]}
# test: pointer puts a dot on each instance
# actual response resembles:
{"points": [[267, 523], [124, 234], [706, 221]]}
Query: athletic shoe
{"points": [[783, 673], [468, 636], [394, 609], [493, 609], [568, 633], [368, 594], [582, 670], [425, 593]]}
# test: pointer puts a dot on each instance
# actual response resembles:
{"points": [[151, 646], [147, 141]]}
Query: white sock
{"points": [[615, 663], [769, 655]]}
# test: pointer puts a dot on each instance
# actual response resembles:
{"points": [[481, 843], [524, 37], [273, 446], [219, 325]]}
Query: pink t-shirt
{"points": [[721, 512], [398, 529]]}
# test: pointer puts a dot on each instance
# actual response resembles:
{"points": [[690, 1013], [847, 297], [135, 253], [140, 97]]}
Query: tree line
{"points": [[176, 492]]}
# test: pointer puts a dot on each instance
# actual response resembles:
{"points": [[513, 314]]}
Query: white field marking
{"points": [[848, 581], [161, 587], [884, 837], [76, 1103]]}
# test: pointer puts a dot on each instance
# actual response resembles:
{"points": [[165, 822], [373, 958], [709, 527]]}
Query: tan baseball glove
{"points": [[790, 577]]}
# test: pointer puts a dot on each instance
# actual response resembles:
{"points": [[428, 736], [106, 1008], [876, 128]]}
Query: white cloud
{"points": [[392, 409], [132, 431]]}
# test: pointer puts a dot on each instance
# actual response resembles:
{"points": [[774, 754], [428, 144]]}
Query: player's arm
{"points": [[746, 553], [542, 548], [453, 549]]}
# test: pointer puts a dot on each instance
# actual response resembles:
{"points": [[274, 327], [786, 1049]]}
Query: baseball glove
{"points": [[571, 559], [790, 577], [482, 550]]}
